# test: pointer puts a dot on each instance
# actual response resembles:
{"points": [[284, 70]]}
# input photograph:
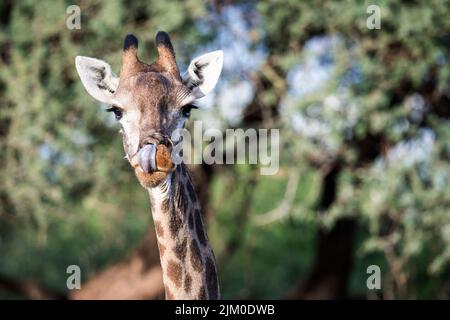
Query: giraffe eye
{"points": [[117, 112], [186, 110]]}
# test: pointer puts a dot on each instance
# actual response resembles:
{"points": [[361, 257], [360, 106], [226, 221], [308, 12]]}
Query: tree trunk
{"points": [[333, 263], [334, 254]]}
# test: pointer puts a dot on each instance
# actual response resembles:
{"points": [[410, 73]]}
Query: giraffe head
{"points": [[150, 100]]}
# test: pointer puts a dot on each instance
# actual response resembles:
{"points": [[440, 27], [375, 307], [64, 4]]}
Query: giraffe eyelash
{"points": [[118, 112], [192, 106], [186, 110]]}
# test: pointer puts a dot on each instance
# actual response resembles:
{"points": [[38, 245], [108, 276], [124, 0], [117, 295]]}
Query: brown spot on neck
{"points": [[162, 249], [175, 222], [187, 283], [174, 272], [181, 250], [191, 192], [159, 229], [191, 219], [200, 228], [165, 206], [196, 258], [202, 293], [211, 279]]}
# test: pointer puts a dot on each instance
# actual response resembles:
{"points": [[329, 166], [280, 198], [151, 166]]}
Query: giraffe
{"points": [[151, 101]]}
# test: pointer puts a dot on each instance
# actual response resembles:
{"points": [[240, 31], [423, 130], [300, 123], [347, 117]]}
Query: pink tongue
{"points": [[147, 158]]}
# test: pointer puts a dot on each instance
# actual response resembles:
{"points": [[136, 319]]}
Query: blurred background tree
{"points": [[364, 155]]}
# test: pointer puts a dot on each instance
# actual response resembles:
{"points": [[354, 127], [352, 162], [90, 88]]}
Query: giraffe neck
{"points": [[187, 260]]}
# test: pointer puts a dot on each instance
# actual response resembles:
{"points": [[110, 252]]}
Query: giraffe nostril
{"points": [[156, 139], [153, 138]]}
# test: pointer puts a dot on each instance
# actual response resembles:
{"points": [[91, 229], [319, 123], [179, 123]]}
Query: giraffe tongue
{"points": [[147, 158]]}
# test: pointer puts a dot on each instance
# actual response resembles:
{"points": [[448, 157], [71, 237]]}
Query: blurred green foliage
{"points": [[67, 197]]}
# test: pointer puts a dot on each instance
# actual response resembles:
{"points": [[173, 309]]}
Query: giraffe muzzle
{"points": [[147, 158]]}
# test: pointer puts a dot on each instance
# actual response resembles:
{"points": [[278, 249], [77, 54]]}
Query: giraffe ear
{"points": [[97, 77], [202, 74]]}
